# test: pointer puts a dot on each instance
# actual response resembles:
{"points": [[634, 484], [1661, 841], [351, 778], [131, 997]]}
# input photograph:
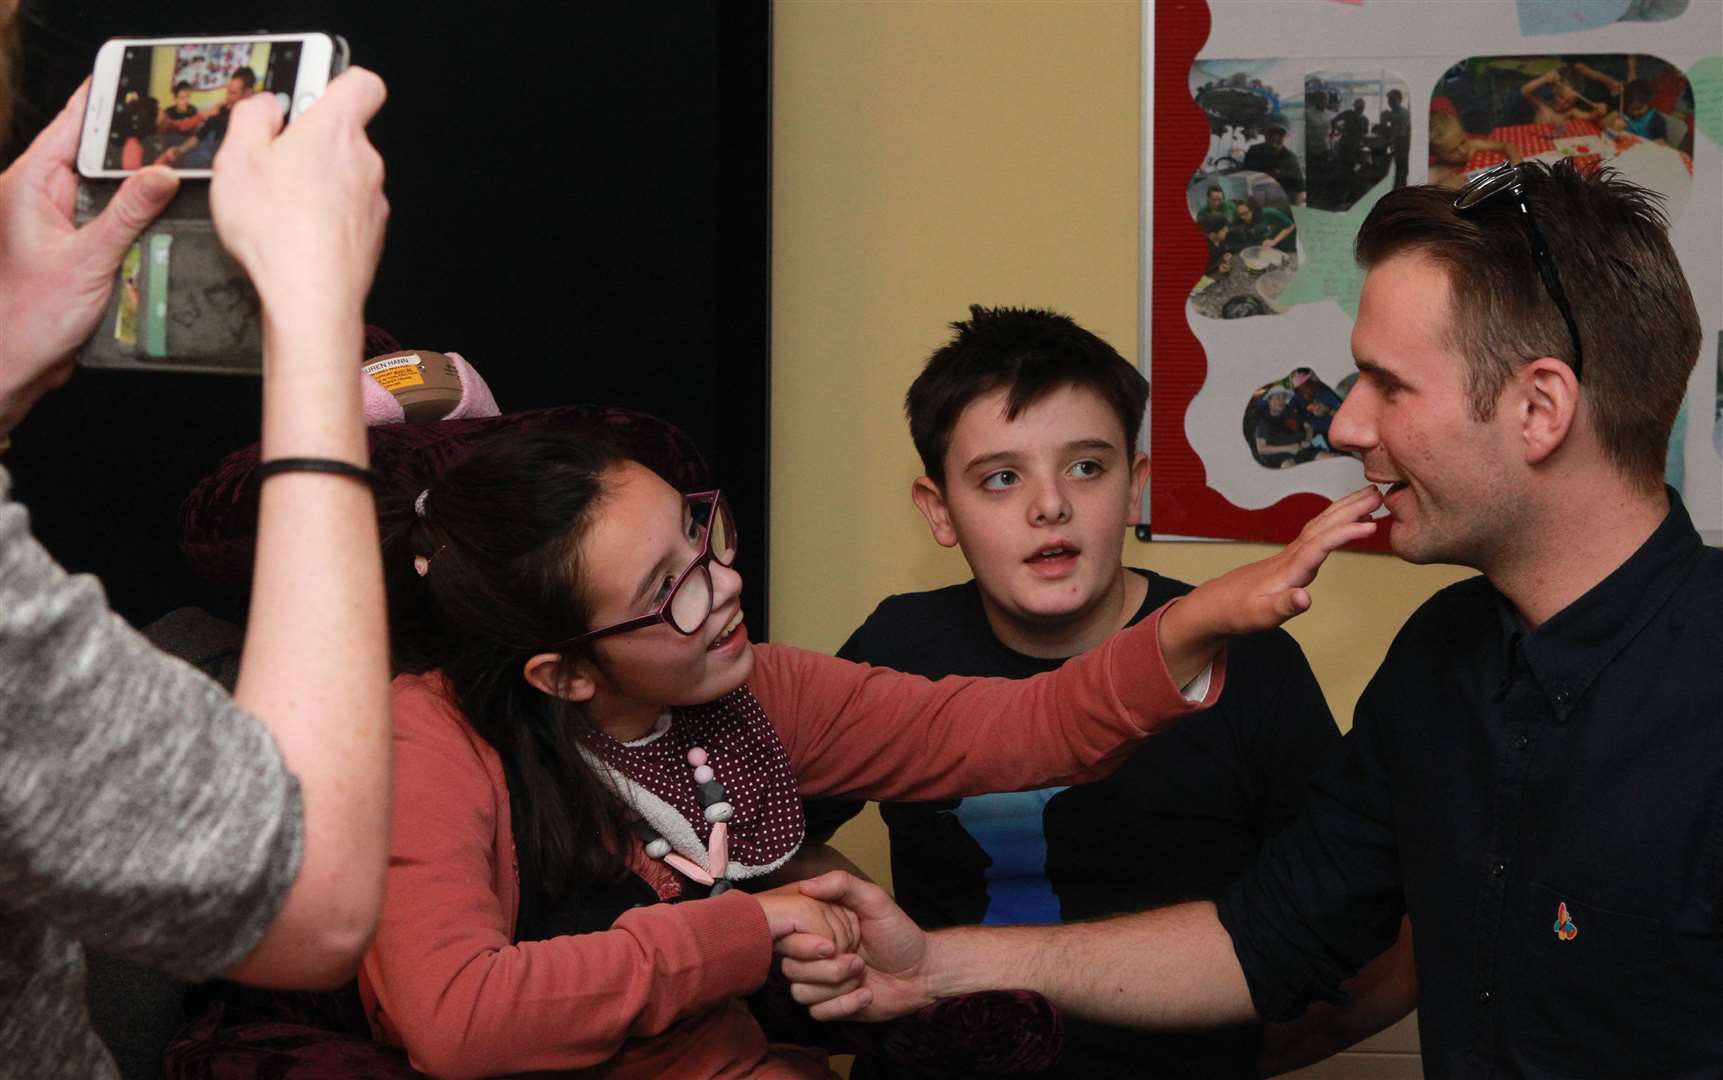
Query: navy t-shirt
{"points": [[1180, 820]]}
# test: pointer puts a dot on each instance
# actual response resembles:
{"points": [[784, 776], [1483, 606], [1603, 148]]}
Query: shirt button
{"points": [[1561, 697], [1522, 742], [1483, 997], [1498, 869]]}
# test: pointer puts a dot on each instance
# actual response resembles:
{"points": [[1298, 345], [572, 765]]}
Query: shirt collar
{"points": [[1572, 647]]}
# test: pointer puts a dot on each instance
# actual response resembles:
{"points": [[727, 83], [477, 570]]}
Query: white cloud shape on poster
{"points": [[1243, 354]]}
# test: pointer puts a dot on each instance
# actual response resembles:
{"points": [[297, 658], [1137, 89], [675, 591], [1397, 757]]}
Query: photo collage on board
{"points": [[1283, 139], [1286, 140], [1252, 176], [1311, 145]]}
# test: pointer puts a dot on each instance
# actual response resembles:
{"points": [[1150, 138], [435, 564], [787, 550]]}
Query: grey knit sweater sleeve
{"points": [[141, 810]]}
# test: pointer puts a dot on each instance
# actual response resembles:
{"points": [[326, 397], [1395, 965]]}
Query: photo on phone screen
{"points": [[172, 102]]}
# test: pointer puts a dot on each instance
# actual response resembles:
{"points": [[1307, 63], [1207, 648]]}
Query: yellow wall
{"points": [[926, 156]]}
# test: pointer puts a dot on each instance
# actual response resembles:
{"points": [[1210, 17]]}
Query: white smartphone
{"points": [[166, 100]]}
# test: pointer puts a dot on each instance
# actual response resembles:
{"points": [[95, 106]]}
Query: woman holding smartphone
{"points": [[141, 808]]}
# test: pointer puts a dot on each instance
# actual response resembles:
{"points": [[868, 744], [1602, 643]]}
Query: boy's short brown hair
{"points": [[1032, 352]]}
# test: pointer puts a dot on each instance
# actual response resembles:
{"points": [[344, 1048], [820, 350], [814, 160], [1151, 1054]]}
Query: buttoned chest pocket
{"points": [[1613, 994]]}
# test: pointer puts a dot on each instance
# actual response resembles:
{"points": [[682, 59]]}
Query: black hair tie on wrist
{"points": [[315, 464]]}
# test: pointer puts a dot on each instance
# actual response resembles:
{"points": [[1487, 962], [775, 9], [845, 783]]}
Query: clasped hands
{"points": [[849, 951]]}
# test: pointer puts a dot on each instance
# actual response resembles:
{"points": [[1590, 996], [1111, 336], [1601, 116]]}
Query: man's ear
{"points": [[1139, 477], [931, 502], [1548, 406], [548, 673]]}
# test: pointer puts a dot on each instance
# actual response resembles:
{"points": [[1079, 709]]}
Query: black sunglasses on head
{"points": [[1504, 180]]}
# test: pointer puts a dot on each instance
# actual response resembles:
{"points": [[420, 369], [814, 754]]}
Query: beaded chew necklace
{"points": [[713, 832], [717, 812]]}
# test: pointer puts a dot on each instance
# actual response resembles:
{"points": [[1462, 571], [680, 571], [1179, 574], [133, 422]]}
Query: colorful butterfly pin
{"points": [[1564, 927]]}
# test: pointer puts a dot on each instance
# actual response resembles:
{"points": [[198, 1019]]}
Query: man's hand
{"points": [[805, 927], [55, 278], [303, 211], [885, 978]]}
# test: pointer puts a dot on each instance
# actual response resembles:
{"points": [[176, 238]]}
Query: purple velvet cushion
{"points": [[218, 520], [992, 1033], [247, 1034]]}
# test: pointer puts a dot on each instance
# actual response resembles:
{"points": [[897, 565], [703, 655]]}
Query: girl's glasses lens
{"points": [[692, 602], [723, 538]]}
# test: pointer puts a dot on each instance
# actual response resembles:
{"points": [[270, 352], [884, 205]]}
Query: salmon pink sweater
{"points": [[657, 994]]}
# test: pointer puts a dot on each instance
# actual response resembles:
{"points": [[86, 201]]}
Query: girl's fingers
{"points": [[1306, 557]]}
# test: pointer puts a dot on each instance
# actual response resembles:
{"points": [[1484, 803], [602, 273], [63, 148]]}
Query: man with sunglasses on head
{"points": [[1535, 774]]}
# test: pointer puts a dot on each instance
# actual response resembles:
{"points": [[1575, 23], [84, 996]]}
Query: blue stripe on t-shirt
{"points": [[1008, 826]]}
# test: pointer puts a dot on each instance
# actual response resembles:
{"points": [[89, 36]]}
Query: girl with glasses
{"points": [[592, 754]]}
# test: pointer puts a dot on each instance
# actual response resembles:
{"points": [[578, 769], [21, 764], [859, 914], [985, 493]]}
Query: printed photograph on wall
{"points": [[1246, 219], [1357, 130], [1286, 421], [1255, 113], [1634, 112]]}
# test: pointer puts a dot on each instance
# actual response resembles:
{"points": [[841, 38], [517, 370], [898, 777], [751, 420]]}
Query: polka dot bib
{"points": [[652, 775]]}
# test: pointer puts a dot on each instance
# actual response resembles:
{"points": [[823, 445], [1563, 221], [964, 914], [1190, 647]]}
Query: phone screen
{"points": [[172, 102]]}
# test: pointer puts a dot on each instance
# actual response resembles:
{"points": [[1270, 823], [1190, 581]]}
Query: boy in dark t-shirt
{"points": [[182, 115], [1026, 424]]}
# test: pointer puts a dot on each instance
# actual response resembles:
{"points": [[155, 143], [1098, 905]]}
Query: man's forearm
{"points": [[1170, 968]]}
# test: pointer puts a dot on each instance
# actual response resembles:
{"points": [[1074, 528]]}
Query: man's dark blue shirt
{"points": [[1547, 806]]}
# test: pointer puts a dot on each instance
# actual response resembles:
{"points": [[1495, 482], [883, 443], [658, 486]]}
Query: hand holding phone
{"points": [[184, 303], [56, 277], [303, 211]]}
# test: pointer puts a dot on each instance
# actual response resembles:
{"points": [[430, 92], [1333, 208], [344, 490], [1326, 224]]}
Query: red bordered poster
{"points": [[1270, 129]]}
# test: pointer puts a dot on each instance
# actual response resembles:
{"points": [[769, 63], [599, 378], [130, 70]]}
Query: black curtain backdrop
{"points": [[579, 199]]}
